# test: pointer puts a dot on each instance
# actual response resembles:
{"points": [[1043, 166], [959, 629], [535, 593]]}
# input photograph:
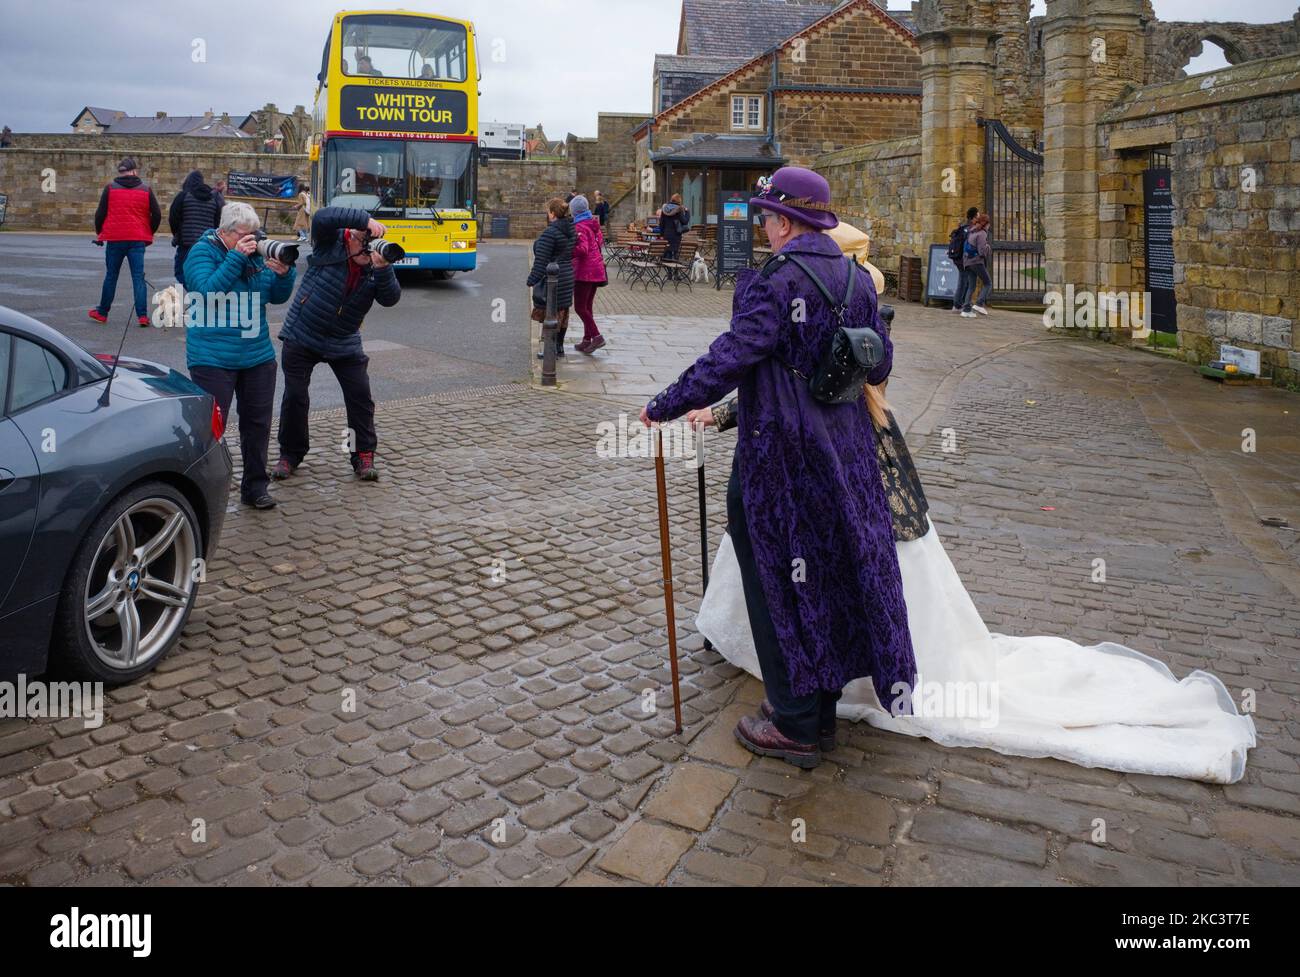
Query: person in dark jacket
{"points": [[600, 207], [323, 325], [125, 221], [194, 211], [674, 221], [555, 243]]}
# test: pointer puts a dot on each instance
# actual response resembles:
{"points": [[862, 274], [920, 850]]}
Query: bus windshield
{"points": [[399, 178], [394, 46]]}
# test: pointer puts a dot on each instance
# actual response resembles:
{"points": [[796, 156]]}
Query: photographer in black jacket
{"points": [[343, 279]]}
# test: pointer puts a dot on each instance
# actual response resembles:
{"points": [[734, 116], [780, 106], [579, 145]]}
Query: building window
{"points": [[747, 111]]}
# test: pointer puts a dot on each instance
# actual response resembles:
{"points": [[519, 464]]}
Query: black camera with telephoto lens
{"points": [[281, 251], [390, 251]]}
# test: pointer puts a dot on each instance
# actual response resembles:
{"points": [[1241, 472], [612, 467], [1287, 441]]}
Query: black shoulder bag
{"points": [[854, 350]]}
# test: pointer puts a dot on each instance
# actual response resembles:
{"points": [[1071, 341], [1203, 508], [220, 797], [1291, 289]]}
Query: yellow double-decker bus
{"points": [[396, 131]]}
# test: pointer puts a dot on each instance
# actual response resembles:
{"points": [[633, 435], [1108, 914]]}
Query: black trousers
{"points": [[255, 390], [297, 362], [800, 717]]}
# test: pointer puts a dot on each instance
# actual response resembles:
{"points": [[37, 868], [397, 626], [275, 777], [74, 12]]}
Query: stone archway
{"points": [[1171, 45]]}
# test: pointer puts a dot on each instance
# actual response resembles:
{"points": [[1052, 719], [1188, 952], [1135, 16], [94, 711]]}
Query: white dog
{"points": [[169, 306], [700, 270]]}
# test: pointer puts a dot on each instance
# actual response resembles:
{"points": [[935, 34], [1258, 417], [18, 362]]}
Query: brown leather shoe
{"points": [[826, 738], [762, 737]]}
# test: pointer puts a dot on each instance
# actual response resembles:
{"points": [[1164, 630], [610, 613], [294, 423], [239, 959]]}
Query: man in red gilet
{"points": [[125, 222]]}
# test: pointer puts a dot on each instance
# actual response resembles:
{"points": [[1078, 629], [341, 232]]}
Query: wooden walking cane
{"points": [[667, 559]]}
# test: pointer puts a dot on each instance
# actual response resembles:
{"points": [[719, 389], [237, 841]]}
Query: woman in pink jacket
{"points": [[588, 271]]}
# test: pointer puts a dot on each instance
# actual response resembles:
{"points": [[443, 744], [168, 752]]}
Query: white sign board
{"points": [[1246, 360]]}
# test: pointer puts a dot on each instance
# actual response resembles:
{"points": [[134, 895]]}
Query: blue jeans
{"points": [[133, 252], [972, 274]]}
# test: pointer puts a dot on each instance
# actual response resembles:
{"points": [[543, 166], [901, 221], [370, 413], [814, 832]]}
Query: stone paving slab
{"points": [[458, 675]]}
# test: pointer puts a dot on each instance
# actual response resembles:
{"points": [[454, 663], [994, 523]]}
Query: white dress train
{"points": [[1103, 705]]}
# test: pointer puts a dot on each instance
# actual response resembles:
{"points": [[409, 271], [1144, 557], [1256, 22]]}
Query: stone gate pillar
{"points": [[1093, 50], [957, 89]]}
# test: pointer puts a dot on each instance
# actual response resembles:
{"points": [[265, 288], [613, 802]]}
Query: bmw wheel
{"points": [[131, 586]]}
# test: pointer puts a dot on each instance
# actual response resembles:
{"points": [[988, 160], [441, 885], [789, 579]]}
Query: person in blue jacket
{"points": [[344, 278], [227, 338]]}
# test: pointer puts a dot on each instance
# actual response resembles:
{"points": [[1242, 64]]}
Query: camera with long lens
{"points": [[390, 251], [281, 251]]}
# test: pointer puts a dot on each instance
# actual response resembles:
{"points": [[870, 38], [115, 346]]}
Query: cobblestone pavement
{"points": [[493, 606]]}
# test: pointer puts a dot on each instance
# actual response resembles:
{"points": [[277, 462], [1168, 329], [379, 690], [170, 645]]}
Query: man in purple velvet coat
{"points": [[806, 509]]}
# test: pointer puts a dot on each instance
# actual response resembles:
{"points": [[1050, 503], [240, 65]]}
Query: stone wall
{"points": [[519, 188], [1235, 161], [131, 145], [874, 188], [608, 162], [66, 200]]}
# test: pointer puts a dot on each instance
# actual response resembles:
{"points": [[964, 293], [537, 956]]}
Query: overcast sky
{"points": [[565, 60]]}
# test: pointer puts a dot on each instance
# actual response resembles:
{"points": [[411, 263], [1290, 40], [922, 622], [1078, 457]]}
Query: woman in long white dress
{"points": [[1101, 705]]}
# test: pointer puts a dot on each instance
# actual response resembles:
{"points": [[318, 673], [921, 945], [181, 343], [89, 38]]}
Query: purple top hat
{"points": [[799, 194]]}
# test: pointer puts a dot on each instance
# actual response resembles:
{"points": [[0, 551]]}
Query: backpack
{"points": [[854, 351], [956, 242], [970, 250]]}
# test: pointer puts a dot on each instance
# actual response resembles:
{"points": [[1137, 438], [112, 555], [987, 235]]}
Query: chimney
{"points": [[160, 115], [225, 118], [207, 114]]}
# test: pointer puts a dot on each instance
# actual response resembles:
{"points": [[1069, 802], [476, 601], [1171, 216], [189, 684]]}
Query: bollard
{"points": [[550, 326]]}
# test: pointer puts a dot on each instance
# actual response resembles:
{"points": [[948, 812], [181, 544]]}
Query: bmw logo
{"points": [[133, 581]]}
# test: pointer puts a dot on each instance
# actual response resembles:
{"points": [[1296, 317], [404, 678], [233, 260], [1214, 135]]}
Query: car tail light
{"points": [[218, 422]]}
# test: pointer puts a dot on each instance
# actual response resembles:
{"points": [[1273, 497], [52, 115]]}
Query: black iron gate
{"points": [[1013, 199]]}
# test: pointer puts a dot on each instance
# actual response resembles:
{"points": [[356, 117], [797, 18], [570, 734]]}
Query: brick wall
{"points": [[854, 50], [80, 174], [874, 188]]}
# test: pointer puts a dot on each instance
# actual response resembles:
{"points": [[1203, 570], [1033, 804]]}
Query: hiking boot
{"points": [[97, 315], [825, 738], [263, 501], [760, 736], [364, 465], [282, 469]]}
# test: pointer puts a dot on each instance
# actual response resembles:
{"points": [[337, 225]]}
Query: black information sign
{"points": [[263, 185], [384, 108], [735, 235], [944, 276], [1158, 200]]}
